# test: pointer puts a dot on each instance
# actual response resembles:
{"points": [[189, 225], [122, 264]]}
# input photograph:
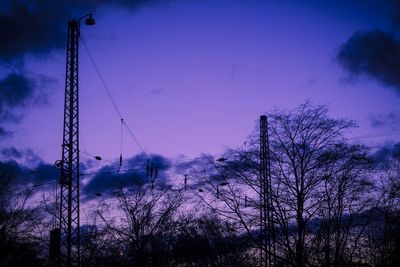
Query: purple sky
{"points": [[193, 77]]}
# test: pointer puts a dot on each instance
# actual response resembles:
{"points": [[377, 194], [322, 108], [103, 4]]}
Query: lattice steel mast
{"points": [[267, 228], [69, 239]]}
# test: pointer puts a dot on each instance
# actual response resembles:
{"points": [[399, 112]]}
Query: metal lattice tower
{"points": [[69, 177], [267, 228]]}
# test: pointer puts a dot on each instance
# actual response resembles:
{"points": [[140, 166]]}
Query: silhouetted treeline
{"points": [[334, 203]]}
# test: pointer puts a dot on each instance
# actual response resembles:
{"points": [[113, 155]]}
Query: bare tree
{"points": [[385, 232], [300, 140], [312, 169], [229, 188], [208, 240], [18, 221], [346, 207], [147, 222]]}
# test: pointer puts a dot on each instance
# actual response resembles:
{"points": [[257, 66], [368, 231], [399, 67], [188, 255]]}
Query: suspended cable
{"points": [[101, 79], [134, 138], [379, 134], [117, 110]]}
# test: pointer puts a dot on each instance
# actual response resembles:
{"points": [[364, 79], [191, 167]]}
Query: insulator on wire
{"points": [[120, 162], [148, 169], [185, 180], [120, 155]]}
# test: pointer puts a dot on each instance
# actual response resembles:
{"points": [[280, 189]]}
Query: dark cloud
{"points": [[107, 181], [17, 91], [383, 155], [11, 152], [396, 15], [140, 161], [390, 119], [37, 27], [27, 167], [4, 132], [186, 166], [373, 53], [27, 155], [21, 175], [33, 28], [43, 173], [132, 174]]}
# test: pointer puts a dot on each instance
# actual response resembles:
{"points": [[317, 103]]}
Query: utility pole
{"points": [[66, 239], [267, 228]]}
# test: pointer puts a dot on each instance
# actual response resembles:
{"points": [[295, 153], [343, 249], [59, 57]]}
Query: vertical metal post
{"points": [[69, 177], [267, 228], [185, 181]]}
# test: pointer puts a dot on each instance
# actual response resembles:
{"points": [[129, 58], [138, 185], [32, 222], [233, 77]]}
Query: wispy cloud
{"points": [[157, 91], [390, 119]]}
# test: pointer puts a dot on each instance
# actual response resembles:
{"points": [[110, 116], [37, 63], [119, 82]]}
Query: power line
{"points": [[373, 135], [116, 108], [102, 79], [197, 160], [133, 137]]}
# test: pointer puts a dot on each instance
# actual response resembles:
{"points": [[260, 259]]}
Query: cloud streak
{"points": [[390, 119]]}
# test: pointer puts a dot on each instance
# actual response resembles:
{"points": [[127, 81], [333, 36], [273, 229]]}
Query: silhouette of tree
{"points": [[210, 241], [385, 232], [346, 207], [318, 180], [18, 223], [148, 221]]}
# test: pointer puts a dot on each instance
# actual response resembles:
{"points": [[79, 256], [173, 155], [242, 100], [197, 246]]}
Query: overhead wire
{"points": [[108, 91], [134, 138], [199, 161], [101, 78], [195, 161], [124, 123], [373, 135], [175, 163]]}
